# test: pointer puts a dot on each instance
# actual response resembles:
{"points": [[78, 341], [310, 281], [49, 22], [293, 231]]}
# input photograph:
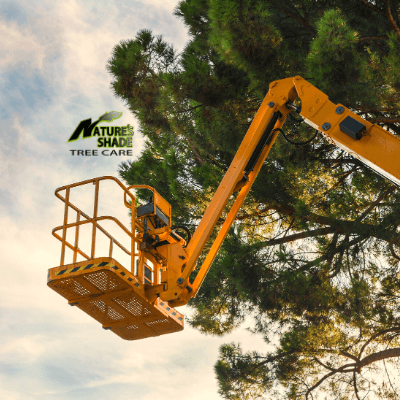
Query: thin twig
{"points": [[392, 251], [373, 7], [355, 385], [325, 366], [374, 38], [386, 120], [391, 19], [394, 391], [396, 329], [382, 196]]}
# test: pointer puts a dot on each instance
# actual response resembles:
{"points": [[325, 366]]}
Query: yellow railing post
{"points": [[111, 247], [96, 203], [64, 236], [78, 215], [133, 237]]}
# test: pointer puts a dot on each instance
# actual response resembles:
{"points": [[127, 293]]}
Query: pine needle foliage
{"points": [[314, 253]]}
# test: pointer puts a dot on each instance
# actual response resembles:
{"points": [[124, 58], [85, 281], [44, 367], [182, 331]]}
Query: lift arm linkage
{"points": [[161, 260], [371, 144]]}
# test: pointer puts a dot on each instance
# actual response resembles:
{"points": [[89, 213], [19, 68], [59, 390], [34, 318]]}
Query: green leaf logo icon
{"points": [[110, 116]]}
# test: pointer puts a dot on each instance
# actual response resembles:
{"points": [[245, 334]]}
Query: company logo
{"points": [[109, 138]]}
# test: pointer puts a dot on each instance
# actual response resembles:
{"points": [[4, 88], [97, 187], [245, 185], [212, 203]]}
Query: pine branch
{"points": [[393, 252], [339, 261], [380, 355], [374, 38], [305, 13], [276, 357], [195, 152], [382, 196], [321, 363], [256, 214], [332, 245], [318, 260], [391, 19], [297, 236], [341, 180], [289, 227], [387, 374], [319, 383], [374, 110], [372, 6], [339, 161], [361, 228], [355, 367], [190, 109], [387, 120], [396, 329], [348, 355], [355, 385], [300, 19]]}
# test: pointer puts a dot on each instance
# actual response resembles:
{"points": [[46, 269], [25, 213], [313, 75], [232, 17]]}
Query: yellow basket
{"points": [[109, 293]]}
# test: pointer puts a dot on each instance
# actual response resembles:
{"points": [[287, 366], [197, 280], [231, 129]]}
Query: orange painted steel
{"points": [[139, 303], [122, 301], [158, 199], [88, 220], [377, 148], [113, 296]]}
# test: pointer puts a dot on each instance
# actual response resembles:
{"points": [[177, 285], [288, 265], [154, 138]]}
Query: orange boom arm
{"points": [[138, 303]]}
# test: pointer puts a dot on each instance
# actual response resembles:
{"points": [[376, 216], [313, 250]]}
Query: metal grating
{"points": [[69, 288], [132, 305], [132, 332], [162, 326], [101, 311], [159, 321], [112, 296], [105, 280]]}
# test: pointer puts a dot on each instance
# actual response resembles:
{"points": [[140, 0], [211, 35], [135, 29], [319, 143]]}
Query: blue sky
{"points": [[52, 61]]}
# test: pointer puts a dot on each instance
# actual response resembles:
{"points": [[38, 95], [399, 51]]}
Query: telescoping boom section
{"points": [[138, 300]]}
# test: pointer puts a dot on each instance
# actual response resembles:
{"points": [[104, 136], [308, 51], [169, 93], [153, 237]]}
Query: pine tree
{"points": [[314, 253]]}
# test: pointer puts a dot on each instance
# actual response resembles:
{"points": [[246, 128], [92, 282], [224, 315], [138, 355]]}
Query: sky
{"points": [[53, 57]]}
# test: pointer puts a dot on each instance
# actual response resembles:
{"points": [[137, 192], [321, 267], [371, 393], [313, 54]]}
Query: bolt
{"points": [[326, 126], [340, 110], [271, 104], [179, 281]]}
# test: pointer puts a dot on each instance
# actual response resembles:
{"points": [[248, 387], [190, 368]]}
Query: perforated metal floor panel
{"points": [[110, 294]]}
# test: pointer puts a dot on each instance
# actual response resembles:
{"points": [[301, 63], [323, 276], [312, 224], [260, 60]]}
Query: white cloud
{"points": [[26, 349], [20, 47], [31, 46], [44, 342], [87, 47]]}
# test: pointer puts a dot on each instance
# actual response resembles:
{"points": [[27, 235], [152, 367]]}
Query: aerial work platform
{"points": [[138, 303], [110, 294], [127, 302]]}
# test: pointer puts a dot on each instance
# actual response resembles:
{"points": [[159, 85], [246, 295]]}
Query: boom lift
{"points": [[139, 302]]}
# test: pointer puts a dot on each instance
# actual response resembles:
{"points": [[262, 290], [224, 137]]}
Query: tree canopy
{"points": [[314, 253]]}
